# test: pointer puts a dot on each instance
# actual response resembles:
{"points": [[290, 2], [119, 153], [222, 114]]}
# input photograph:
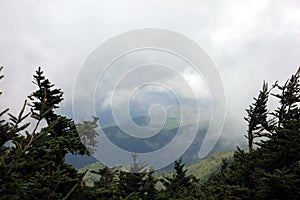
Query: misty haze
{"points": [[174, 99]]}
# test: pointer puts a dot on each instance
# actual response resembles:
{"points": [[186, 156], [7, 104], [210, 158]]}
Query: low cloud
{"points": [[249, 41]]}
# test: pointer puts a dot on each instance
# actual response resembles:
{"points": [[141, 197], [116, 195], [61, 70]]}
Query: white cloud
{"points": [[249, 41]]}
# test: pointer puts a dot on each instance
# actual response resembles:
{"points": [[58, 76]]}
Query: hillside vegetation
{"points": [[202, 169]]}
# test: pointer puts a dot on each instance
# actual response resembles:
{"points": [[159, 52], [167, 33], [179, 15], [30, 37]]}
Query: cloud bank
{"points": [[249, 41]]}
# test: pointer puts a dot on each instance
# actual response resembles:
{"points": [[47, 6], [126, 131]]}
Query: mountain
{"points": [[201, 169], [212, 163], [79, 161], [149, 144]]}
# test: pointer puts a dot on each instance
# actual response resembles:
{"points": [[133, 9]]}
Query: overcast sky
{"points": [[249, 41]]}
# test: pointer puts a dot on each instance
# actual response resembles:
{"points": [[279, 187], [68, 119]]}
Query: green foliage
{"points": [[32, 163], [272, 170], [63, 131], [89, 177], [137, 182], [87, 132], [116, 183], [105, 187], [257, 116], [179, 185], [281, 184], [204, 168]]}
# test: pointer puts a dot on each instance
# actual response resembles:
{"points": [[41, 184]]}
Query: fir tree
{"points": [[105, 187], [88, 134], [179, 186], [257, 117], [33, 166], [272, 170], [12, 150], [131, 184]]}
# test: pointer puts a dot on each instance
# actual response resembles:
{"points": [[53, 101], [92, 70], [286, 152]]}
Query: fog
{"points": [[248, 41]]}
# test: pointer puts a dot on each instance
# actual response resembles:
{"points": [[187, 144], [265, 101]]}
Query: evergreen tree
{"points": [[280, 155], [150, 190], [88, 134], [257, 117], [13, 148], [63, 131], [105, 187], [33, 166], [179, 186], [131, 184], [272, 170], [52, 178]]}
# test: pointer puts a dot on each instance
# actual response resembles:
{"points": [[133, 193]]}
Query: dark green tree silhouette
{"points": [[257, 117], [179, 185], [271, 171], [33, 166], [14, 147], [104, 188], [132, 183]]}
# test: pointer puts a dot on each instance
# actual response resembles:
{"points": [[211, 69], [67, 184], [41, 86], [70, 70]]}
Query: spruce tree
{"points": [[33, 166], [257, 117], [105, 187], [280, 155], [271, 171], [131, 184], [87, 132], [179, 185], [12, 150], [52, 178]]}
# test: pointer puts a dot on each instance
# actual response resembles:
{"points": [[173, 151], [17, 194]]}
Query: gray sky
{"points": [[249, 41]]}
